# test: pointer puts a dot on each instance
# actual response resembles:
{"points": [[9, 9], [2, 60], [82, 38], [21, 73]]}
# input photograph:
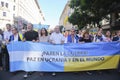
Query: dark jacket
{"points": [[12, 38], [69, 39], [116, 38]]}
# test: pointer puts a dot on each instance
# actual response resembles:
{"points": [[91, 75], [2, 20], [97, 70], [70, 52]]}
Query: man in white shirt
{"points": [[57, 37], [7, 33]]}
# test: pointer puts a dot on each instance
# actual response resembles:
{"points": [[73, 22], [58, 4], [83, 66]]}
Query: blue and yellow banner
{"points": [[30, 56]]}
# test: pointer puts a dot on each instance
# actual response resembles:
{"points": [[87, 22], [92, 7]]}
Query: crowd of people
{"points": [[55, 37]]}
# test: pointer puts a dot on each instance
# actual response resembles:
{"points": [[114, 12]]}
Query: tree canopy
{"points": [[91, 11]]}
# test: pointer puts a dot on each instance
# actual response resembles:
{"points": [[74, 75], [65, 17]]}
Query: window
{"points": [[6, 5], [2, 4], [4, 13], [13, 8]]}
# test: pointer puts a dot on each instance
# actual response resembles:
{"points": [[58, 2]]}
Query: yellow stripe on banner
{"points": [[91, 63]]}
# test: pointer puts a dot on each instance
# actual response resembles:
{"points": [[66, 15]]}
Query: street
{"points": [[96, 75]]}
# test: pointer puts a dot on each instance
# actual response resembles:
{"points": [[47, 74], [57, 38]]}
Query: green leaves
{"points": [[90, 11]]}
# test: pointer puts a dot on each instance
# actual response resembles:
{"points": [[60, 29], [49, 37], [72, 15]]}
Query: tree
{"points": [[91, 11], [78, 19]]}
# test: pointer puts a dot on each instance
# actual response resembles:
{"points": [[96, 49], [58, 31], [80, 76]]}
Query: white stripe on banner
{"points": [[25, 55]]}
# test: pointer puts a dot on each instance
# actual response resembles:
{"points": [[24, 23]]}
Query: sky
{"points": [[52, 10]]}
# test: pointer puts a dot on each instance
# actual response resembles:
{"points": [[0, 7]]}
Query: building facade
{"points": [[20, 12], [64, 17]]}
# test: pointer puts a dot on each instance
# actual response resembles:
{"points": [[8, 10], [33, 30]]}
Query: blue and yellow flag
{"points": [[29, 56]]}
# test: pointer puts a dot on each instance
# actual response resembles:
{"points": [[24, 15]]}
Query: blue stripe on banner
{"points": [[94, 49], [86, 49], [38, 66], [33, 46], [25, 55]]}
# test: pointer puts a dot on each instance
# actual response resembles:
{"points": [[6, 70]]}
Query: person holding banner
{"points": [[117, 38], [99, 37], [5, 55], [86, 38], [57, 37], [108, 37], [72, 38], [15, 36], [30, 35], [43, 35]]}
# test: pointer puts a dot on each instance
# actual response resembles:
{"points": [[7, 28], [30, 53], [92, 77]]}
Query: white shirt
{"points": [[98, 40], [15, 37], [79, 35], [7, 35], [74, 40], [43, 38], [103, 37], [57, 38], [65, 40]]}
